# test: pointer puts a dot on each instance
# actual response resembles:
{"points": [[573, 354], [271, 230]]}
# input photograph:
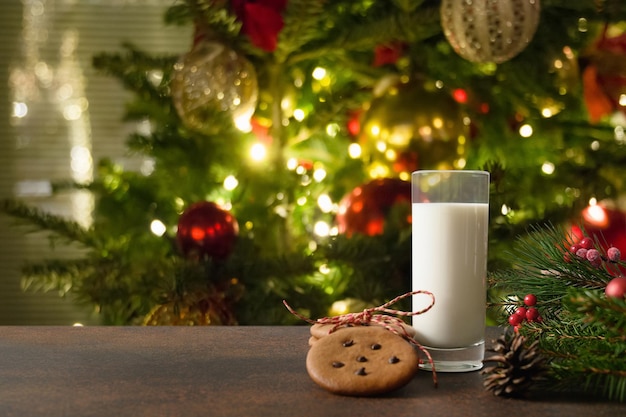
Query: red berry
{"points": [[530, 300], [521, 311], [532, 314], [613, 254], [616, 288], [582, 253], [515, 319], [586, 242], [574, 248], [592, 255]]}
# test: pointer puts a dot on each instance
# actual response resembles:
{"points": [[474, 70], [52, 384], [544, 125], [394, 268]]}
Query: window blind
{"points": [[58, 117]]}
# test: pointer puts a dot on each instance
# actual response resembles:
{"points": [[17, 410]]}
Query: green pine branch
{"points": [[595, 307], [543, 262], [133, 68], [583, 332], [42, 220]]}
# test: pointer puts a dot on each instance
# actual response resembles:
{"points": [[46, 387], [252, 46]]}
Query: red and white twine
{"points": [[381, 316]]}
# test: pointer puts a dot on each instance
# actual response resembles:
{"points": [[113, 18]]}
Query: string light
{"points": [[391, 155], [258, 152], [19, 109], [325, 203], [298, 114], [339, 307], [319, 174], [355, 151], [332, 129], [230, 183], [548, 168], [292, 164], [157, 227], [321, 229], [319, 73], [526, 131]]}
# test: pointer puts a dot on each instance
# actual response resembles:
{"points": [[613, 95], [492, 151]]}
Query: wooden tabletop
{"points": [[219, 371]]}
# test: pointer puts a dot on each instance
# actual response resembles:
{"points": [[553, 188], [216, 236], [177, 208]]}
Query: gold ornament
{"points": [[192, 310], [411, 118], [213, 78], [489, 30]]}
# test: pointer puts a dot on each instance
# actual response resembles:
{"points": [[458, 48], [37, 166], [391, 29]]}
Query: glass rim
{"points": [[446, 171]]}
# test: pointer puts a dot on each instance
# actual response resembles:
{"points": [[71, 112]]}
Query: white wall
{"points": [[46, 48]]}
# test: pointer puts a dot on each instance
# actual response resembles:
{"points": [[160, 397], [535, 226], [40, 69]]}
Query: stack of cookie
{"points": [[361, 360]]}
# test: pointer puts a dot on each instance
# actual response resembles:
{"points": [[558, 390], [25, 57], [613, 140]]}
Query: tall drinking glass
{"points": [[450, 216]]}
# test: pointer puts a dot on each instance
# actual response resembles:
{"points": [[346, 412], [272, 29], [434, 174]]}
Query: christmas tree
{"points": [[284, 138]]}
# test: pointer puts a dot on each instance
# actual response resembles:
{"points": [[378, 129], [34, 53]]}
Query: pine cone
{"points": [[516, 366]]}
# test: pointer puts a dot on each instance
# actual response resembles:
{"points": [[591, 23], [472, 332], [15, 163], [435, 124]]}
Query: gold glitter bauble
{"points": [[192, 310], [408, 117], [489, 30], [213, 78]]}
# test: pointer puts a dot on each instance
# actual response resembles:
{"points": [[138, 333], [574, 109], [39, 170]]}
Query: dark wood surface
{"points": [[219, 371]]}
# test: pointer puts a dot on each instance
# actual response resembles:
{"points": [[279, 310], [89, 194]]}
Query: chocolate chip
{"points": [[376, 346], [360, 371], [337, 364], [348, 343], [361, 359], [394, 359]]}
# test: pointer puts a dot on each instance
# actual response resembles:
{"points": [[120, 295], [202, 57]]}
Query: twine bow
{"points": [[381, 316]]}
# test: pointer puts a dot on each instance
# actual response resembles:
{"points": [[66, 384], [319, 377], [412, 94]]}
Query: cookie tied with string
{"points": [[362, 361], [366, 353]]}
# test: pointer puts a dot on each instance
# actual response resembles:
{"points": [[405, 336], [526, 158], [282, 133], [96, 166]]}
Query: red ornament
{"points": [[604, 79], [460, 95], [354, 122], [367, 208], [406, 162], [388, 53], [262, 21], [204, 229], [605, 225], [616, 288]]}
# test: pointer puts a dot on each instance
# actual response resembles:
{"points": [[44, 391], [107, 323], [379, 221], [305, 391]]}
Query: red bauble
{"points": [[605, 224], [604, 78], [205, 229], [616, 288], [367, 208]]}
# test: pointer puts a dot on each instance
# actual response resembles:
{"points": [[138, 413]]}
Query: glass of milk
{"points": [[450, 216]]}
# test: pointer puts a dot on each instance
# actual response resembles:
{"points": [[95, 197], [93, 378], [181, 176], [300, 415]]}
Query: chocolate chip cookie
{"points": [[361, 361]]}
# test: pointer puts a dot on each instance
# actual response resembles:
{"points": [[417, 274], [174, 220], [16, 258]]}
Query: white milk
{"points": [[450, 260]]}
